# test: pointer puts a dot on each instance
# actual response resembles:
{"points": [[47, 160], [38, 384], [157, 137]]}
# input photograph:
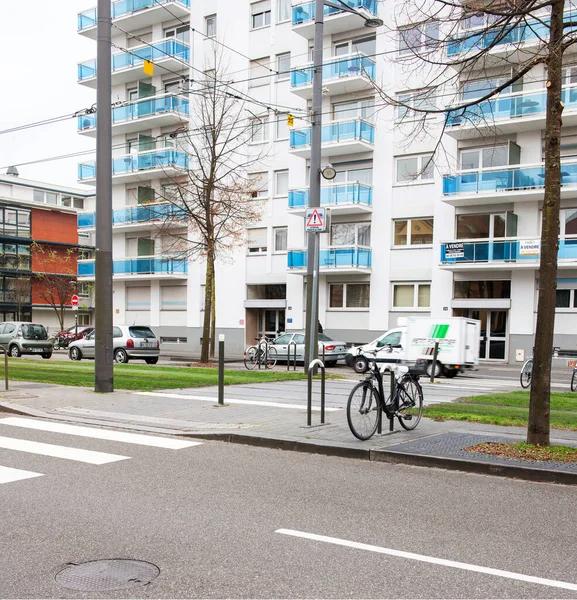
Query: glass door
{"points": [[493, 342], [271, 322]]}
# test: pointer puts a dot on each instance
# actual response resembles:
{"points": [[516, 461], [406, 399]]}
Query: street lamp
{"points": [[311, 338]]}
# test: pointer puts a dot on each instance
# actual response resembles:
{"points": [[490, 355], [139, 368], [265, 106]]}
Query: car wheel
{"points": [[438, 369], [151, 361], [360, 364], [75, 353], [120, 356], [15, 351], [47, 355], [450, 373], [331, 363]]}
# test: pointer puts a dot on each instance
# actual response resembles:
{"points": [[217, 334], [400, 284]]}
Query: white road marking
{"points": [[86, 456], [100, 434], [431, 559], [7, 475], [236, 401]]}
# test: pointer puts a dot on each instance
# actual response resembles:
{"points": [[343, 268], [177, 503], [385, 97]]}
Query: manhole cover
{"points": [[107, 575]]}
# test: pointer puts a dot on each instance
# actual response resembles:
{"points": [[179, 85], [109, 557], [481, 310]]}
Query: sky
{"points": [[40, 49]]}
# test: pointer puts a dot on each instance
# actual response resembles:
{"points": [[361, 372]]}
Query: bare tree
{"points": [[214, 199], [20, 293], [464, 55]]}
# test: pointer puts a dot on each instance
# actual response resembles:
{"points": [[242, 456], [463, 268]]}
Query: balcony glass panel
{"points": [[87, 70], [152, 265], [346, 193], [148, 212], [86, 220], [87, 19], [336, 69], [339, 131], [333, 257], [306, 12], [86, 269]]}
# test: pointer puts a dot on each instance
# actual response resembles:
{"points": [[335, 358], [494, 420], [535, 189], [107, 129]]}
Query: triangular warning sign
{"points": [[315, 219]]}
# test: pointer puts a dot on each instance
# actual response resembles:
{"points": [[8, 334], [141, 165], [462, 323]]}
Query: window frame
{"points": [[283, 74], [415, 307], [419, 179], [260, 124], [254, 249], [275, 182], [210, 24], [356, 226], [276, 230], [262, 13], [408, 97], [423, 37], [409, 221], [345, 285], [280, 5]]}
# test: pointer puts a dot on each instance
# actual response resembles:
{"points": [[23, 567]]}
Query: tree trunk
{"points": [[209, 281], [539, 404], [213, 316]]}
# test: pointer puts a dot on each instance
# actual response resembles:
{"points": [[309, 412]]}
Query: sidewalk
{"points": [[274, 415]]}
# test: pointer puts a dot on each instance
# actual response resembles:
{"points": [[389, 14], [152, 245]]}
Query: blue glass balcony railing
{"points": [[86, 220], [142, 213], [337, 68], [137, 56], [304, 13], [122, 8], [507, 106], [334, 195], [332, 258], [505, 179], [138, 110], [339, 131], [510, 250], [155, 159], [152, 265]]}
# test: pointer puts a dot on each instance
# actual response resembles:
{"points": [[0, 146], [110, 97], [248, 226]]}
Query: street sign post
{"points": [[74, 302], [316, 219]]}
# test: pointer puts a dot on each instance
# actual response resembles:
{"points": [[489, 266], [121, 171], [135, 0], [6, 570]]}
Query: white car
{"points": [[331, 350], [389, 347]]}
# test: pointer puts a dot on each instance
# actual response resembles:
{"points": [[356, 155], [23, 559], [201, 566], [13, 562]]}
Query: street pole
{"points": [[76, 324], [103, 371], [311, 338]]}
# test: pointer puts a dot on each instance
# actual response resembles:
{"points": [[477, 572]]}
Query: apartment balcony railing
{"points": [[334, 195], [146, 107], [306, 12], [342, 74], [134, 163], [149, 265], [143, 213], [500, 179], [334, 258], [338, 137], [123, 61], [123, 8], [521, 251]]}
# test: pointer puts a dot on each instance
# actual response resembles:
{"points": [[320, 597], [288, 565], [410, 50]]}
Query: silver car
{"points": [[285, 348], [19, 338], [128, 342]]}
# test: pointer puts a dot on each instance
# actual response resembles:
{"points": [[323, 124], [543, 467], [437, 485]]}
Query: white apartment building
{"points": [[443, 243]]}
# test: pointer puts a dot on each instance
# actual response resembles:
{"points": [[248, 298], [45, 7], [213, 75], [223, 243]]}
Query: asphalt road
{"points": [[209, 517]]}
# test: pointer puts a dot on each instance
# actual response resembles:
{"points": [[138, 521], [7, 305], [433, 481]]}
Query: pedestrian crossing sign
{"points": [[316, 219]]}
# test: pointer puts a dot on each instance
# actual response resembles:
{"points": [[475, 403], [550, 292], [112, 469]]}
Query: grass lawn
{"points": [[133, 377], [508, 408]]}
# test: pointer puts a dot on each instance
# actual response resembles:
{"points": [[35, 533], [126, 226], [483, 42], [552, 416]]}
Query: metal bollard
{"points": [[288, 362], [434, 365], [5, 366], [221, 369], [315, 363]]}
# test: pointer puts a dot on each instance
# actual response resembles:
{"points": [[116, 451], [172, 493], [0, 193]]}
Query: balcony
{"points": [[337, 138], [336, 21], [163, 111], [127, 66], [342, 199], [130, 168], [146, 267], [503, 254], [333, 260], [134, 14], [509, 113], [136, 215], [341, 75], [505, 184]]}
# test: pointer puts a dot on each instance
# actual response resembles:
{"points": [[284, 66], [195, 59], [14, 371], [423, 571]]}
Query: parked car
{"points": [[333, 350], [128, 342], [62, 339], [19, 338]]}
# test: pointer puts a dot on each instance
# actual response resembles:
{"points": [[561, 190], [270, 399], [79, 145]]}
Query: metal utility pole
{"points": [[103, 371], [311, 337]]}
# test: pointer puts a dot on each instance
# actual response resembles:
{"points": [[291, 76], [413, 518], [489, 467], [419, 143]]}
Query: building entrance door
{"points": [[494, 339], [271, 322]]}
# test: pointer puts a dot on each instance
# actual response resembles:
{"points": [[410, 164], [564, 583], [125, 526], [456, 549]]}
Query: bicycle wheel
{"points": [[526, 372], [251, 357], [363, 410], [574, 380], [410, 409], [271, 357]]}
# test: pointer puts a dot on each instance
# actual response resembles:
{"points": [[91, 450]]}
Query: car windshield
{"points": [[325, 338], [141, 332], [34, 332]]}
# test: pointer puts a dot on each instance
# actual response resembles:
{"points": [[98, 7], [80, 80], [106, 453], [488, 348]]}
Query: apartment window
{"points": [[417, 99], [284, 10], [15, 256], [259, 72], [281, 127], [478, 20], [260, 14], [351, 234], [568, 226], [15, 222], [353, 173], [45, 197], [84, 289], [181, 33], [361, 109], [481, 226], [566, 298], [413, 40], [283, 65], [365, 45], [484, 158], [210, 26], [349, 295], [259, 185], [482, 289], [72, 201], [173, 297], [413, 232], [280, 239], [415, 168], [471, 90], [257, 243], [259, 130], [138, 298], [280, 183], [411, 295]]}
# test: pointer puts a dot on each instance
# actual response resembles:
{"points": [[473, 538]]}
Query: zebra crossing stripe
{"points": [[100, 434], [7, 474]]}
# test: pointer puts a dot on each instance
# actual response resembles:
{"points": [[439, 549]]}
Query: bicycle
{"points": [[527, 371], [367, 401], [263, 354]]}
